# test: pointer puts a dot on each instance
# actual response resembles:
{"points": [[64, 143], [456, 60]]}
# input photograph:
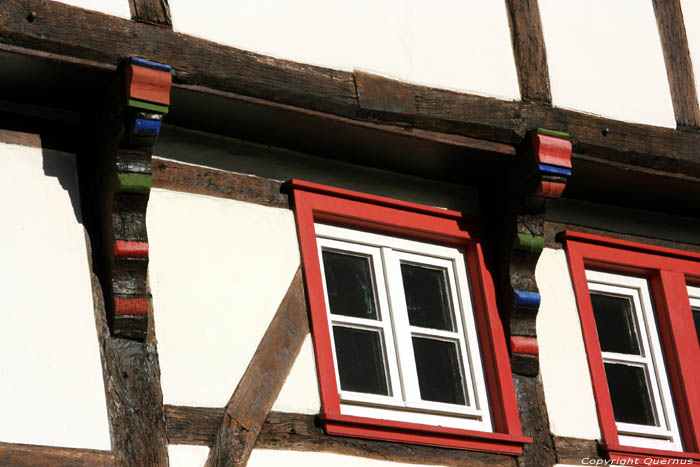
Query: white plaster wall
{"points": [[118, 8], [691, 16], [605, 58], [565, 376], [184, 455], [51, 386], [300, 391], [269, 457], [456, 44], [218, 270]]}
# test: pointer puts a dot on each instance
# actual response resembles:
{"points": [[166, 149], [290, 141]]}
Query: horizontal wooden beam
{"points": [[221, 184], [59, 30], [299, 432], [20, 455]]}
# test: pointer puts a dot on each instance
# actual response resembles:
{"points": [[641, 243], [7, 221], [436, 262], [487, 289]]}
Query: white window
{"points": [[402, 328], [633, 360], [694, 294]]}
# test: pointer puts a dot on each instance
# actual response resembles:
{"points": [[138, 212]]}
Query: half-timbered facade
{"points": [[355, 234]]}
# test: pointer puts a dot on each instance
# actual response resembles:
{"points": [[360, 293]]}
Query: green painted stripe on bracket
{"points": [[148, 106], [527, 242], [134, 183], [556, 134]]}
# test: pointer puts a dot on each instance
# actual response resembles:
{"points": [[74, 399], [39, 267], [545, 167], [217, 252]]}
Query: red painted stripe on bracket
{"points": [[551, 150], [131, 306], [124, 249], [148, 84], [550, 189], [524, 345]]}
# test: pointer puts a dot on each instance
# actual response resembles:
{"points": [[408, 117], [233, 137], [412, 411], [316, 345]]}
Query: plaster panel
{"points": [[605, 58], [218, 270], [118, 8], [50, 359], [565, 376], [454, 44], [268, 457], [691, 16], [300, 391], [184, 455]]}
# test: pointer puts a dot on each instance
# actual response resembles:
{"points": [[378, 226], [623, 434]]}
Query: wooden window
{"points": [[637, 316], [409, 344]]}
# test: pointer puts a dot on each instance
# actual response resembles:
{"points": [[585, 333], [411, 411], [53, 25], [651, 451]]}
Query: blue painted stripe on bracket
{"points": [[526, 299], [149, 64], [147, 127], [553, 169]]}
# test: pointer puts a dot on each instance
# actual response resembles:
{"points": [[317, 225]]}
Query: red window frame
{"points": [[314, 203], [669, 272]]}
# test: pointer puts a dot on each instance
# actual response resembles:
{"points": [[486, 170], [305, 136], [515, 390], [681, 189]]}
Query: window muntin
{"points": [[694, 294], [411, 329], [633, 361]]}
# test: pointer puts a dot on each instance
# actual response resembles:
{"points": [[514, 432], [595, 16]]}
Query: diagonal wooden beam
{"points": [[259, 387], [679, 68], [529, 50]]}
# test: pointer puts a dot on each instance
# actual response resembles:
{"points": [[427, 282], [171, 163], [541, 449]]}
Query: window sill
{"points": [[414, 433], [619, 453]]}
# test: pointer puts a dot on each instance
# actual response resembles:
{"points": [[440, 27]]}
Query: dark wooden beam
{"points": [[529, 50], [300, 432], [58, 32], [573, 450], [205, 181], [21, 455], [155, 12], [679, 68], [259, 387]]}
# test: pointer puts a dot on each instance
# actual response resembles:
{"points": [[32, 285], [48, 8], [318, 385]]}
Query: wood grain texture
{"points": [[300, 432], [679, 68], [20, 138], [262, 381], [535, 421], [155, 12], [58, 31], [205, 181], [21, 455], [529, 50], [134, 399], [573, 450]]}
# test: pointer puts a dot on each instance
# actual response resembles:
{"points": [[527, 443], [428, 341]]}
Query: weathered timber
{"points": [[20, 138], [155, 12], [674, 41], [205, 181], [300, 432], [134, 398], [383, 95], [533, 416], [262, 381], [529, 50], [574, 450], [21, 455], [58, 31]]}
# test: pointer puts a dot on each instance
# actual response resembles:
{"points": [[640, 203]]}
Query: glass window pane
{"points": [[439, 371], [630, 395], [360, 360], [696, 316], [614, 320], [350, 285], [427, 297]]}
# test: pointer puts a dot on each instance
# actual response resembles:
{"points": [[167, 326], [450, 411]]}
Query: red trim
{"points": [[524, 345], [314, 203], [667, 271], [148, 84], [551, 150], [124, 249], [617, 453], [550, 189], [131, 306], [388, 430]]}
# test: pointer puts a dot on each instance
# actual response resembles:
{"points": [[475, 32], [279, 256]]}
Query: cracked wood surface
{"points": [[259, 387]]}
